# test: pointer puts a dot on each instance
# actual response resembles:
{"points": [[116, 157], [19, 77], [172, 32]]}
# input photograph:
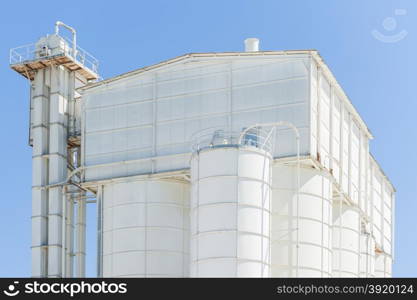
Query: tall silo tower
{"points": [[230, 204], [55, 68]]}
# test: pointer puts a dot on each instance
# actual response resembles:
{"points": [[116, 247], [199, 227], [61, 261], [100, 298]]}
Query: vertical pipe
{"points": [[392, 226], [266, 195], [64, 232], [270, 209], [71, 105], [359, 241], [340, 236], [70, 238], [322, 232], [371, 183], [298, 201], [31, 90], [237, 215], [80, 224], [74, 36], [100, 231], [329, 231], [80, 232]]}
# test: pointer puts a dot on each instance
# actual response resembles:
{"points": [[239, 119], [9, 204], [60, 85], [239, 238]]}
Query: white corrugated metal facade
{"points": [[142, 123], [155, 113]]}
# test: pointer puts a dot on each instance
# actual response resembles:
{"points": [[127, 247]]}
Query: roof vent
{"points": [[252, 45]]}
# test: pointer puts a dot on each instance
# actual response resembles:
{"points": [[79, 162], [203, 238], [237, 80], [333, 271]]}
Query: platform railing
{"points": [[83, 57], [217, 138], [22, 53], [28, 52]]}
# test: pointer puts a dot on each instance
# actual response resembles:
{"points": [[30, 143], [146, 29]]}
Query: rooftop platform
{"points": [[27, 59]]}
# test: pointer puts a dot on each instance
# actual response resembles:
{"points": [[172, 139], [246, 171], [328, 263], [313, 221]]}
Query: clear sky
{"points": [[376, 71]]}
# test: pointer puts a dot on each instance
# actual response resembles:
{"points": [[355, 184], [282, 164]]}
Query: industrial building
{"points": [[231, 164]]}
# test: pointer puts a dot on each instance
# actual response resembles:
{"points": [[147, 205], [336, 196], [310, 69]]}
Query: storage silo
{"points": [[367, 255], [346, 239], [145, 229], [301, 237], [383, 265], [230, 206]]}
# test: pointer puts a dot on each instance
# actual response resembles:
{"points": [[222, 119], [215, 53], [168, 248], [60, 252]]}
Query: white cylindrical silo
{"points": [[383, 265], [346, 239], [367, 255], [312, 257], [230, 212], [146, 229]]}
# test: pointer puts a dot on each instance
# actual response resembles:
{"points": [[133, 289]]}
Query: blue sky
{"points": [[378, 77]]}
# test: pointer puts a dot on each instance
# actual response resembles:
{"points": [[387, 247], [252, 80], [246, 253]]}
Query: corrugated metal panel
{"points": [[382, 216], [156, 113]]}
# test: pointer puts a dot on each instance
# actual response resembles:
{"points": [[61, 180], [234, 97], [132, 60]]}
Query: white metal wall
{"points": [[146, 229], [341, 144], [155, 113], [382, 215], [382, 198], [337, 139], [230, 213], [313, 218]]}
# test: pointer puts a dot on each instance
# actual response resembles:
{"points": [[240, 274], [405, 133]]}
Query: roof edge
{"points": [[382, 172], [333, 81], [192, 55]]}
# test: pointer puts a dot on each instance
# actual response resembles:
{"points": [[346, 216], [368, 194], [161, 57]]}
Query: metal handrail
{"points": [[218, 137], [27, 52], [83, 57]]}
